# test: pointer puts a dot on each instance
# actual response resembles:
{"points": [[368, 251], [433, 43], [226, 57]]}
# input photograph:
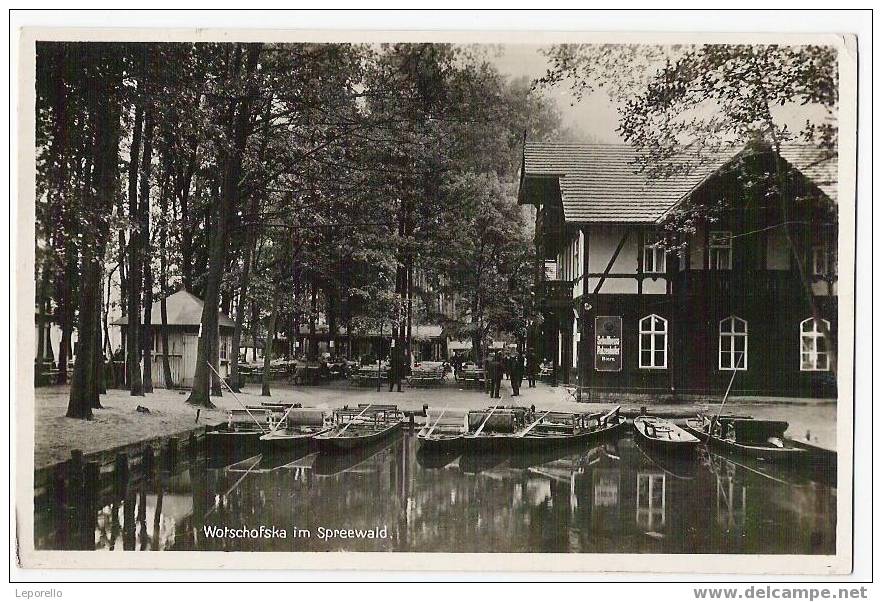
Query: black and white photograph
{"points": [[583, 301]]}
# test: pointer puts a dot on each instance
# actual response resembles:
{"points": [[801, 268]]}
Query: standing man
{"points": [[517, 374], [489, 374], [532, 369], [497, 374], [393, 367]]}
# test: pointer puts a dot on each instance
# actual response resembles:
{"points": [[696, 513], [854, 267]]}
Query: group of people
{"points": [[498, 366]]}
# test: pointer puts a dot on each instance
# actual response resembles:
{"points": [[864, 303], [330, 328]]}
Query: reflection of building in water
{"points": [[606, 488], [650, 500], [731, 500]]}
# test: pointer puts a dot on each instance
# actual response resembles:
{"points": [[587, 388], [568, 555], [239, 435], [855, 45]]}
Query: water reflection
{"points": [[611, 497]]}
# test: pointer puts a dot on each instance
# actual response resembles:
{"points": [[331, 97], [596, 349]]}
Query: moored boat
{"points": [[664, 435], [364, 425], [561, 429], [745, 435], [443, 431], [243, 429], [493, 429], [296, 429]]}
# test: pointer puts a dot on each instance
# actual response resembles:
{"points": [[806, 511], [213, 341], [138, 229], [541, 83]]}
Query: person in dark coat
{"points": [[517, 374], [497, 375], [532, 369], [489, 374]]}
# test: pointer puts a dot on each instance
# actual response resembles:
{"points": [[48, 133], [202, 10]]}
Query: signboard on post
{"points": [[608, 343]]}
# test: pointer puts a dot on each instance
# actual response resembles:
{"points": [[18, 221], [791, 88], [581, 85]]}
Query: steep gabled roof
{"points": [[183, 309], [603, 183]]}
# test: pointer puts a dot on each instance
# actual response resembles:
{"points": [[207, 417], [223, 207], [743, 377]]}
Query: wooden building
{"points": [[184, 312], [624, 311]]}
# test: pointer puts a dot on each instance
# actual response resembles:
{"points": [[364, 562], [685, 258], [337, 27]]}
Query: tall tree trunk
{"points": [[254, 330], [232, 168], [106, 156], [144, 202], [81, 389], [98, 387], [312, 348], [148, 329], [163, 282], [133, 328], [235, 382], [268, 348]]}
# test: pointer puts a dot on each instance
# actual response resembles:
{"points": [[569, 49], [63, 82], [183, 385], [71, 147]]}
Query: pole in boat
{"points": [[530, 428], [481, 428], [340, 432], [726, 395], [281, 420], [260, 426], [607, 416], [437, 421]]}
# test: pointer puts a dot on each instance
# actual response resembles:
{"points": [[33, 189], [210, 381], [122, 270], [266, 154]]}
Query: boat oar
{"points": [[281, 420], [726, 395], [481, 428], [260, 426], [530, 428], [606, 416], [346, 426], [436, 422]]}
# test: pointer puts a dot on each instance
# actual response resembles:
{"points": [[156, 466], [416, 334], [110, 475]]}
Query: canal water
{"points": [[607, 497]]}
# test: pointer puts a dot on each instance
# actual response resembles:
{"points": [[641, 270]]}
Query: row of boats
{"points": [[279, 428]]}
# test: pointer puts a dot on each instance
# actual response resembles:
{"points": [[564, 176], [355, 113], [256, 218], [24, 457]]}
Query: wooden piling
{"points": [[75, 497], [120, 475], [148, 462], [60, 507], [128, 525], [171, 454], [191, 447], [89, 516]]}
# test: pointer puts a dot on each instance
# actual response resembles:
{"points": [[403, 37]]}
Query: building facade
{"points": [[184, 312], [685, 284]]}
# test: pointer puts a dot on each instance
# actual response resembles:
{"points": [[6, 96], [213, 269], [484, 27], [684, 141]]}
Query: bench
{"points": [[471, 377], [426, 378], [367, 377]]}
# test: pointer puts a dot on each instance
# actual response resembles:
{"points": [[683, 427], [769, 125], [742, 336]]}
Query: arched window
{"points": [[653, 342], [814, 356], [733, 344]]}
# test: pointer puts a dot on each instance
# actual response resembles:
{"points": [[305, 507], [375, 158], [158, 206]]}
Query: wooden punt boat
{"points": [[364, 458], [242, 431], [443, 431], [562, 429], [364, 425], [296, 429], [748, 436], [664, 435], [493, 429]]}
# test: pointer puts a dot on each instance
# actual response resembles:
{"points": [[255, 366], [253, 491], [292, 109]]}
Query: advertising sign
{"points": [[608, 343]]}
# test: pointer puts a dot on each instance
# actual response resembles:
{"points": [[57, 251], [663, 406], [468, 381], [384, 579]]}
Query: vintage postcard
{"points": [[447, 300]]}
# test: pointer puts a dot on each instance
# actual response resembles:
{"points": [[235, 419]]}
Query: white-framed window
{"points": [[733, 343], [577, 266], [814, 354], [653, 342], [720, 250], [654, 258], [823, 261]]}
